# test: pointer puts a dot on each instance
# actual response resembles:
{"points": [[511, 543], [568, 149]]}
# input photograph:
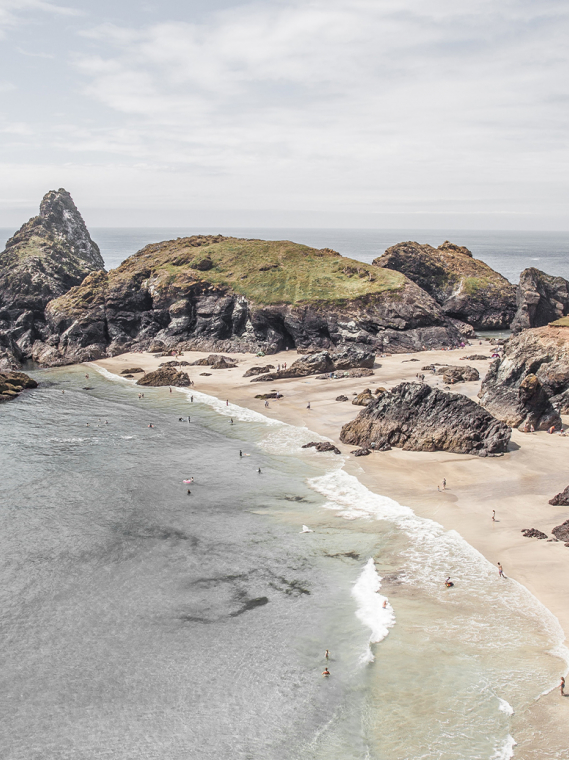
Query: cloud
{"points": [[11, 11]]}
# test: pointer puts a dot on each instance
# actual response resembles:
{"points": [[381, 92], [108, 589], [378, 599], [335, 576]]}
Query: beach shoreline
{"points": [[517, 485]]}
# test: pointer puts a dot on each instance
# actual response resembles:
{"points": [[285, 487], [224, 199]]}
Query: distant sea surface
{"points": [[505, 251]]}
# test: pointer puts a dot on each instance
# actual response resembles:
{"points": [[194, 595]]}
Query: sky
{"points": [[310, 113]]}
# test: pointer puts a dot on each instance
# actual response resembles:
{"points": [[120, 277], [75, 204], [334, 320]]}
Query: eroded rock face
{"points": [[533, 370], [533, 533], [416, 417], [541, 299], [467, 289], [322, 446], [165, 376], [253, 371], [48, 255]]}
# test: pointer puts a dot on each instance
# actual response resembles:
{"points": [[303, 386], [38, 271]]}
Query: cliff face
{"points": [[229, 294], [541, 299], [49, 254], [530, 383], [466, 288], [416, 417]]}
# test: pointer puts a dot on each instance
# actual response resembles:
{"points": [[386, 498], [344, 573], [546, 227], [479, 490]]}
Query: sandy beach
{"points": [[517, 485]]}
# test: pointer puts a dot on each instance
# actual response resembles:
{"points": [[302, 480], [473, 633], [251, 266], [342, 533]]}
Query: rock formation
{"points": [[520, 387], [464, 374], [562, 499], [533, 533], [561, 532], [363, 398], [165, 376], [48, 255], [252, 371], [467, 289], [322, 446], [416, 417], [541, 299], [13, 383], [323, 361], [306, 298]]}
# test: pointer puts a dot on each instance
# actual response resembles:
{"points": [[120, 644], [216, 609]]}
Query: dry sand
{"points": [[517, 485]]}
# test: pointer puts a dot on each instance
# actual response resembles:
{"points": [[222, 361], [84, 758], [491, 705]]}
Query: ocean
{"points": [[143, 621]]}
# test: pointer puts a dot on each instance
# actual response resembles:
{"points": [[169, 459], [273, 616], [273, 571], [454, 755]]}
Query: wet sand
{"points": [[517, 485]]}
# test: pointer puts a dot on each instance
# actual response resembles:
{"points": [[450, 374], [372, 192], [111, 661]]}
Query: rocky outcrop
{"points": [[464, 374], [541, 299], [13, 383], [132, 371], [48, 255], [342, 398], [562, 499], [416, 417], [322, 446], [467, 289], [561, 532], [165, 376], [534, 369], [533, 533], [363, 398], [323, 361], [253, 371]]}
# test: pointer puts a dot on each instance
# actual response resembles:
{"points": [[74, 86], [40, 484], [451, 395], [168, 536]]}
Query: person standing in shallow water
{"points": [[501, 571]]}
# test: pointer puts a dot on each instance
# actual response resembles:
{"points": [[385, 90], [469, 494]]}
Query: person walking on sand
{"points": [[308, 405], [501, 571], [326, 654], [493, 515], [562, 686]]}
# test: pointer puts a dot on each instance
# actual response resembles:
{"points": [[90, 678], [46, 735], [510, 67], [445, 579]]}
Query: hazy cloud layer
{"points": [[355, 110]]}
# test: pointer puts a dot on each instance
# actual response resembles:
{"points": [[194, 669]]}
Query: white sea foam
{"points": [[289, 439], [506, 751], [504, 706], [111, 375], [371, 612]]}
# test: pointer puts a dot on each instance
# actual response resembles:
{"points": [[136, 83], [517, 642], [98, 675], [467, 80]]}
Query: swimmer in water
{"points": [[151, 426], [189, 490], [325, 672], [259, 471], [240, 453], [385, 604], [231, 421], [326, 654]]}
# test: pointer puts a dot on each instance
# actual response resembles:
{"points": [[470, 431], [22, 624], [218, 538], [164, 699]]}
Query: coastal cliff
{"points": [[230, 294], [48, 255], [466, 289], [529, 384]]}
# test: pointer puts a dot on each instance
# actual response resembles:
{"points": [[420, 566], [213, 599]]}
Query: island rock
{"points": [[467, 289], [165, 376]]}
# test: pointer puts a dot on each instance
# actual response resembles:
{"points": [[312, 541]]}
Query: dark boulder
{"points": [[541, 299], [562, 499], [323, 361], [322, 446], [477, 358], [253, 371], [13, 383], [342, 398], [533, 533], [416, 417], [165, 376], [361, 452], [132, 371], [561, 532], [463, 374], [363, 398]]}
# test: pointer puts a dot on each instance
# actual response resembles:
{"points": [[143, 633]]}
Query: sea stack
{"points": [[48, 255]]}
